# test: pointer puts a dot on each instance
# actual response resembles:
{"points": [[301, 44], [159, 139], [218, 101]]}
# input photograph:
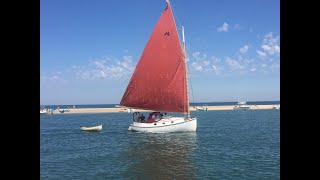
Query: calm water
{"points": [[227, 145]]}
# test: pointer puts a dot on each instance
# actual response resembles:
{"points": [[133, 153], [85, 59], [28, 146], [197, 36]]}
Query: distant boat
{"points": [[201, 108], [43, 110], [241, 105], [276, 106], [91, 128], [130, 110], [160, 81], [64, 110]]}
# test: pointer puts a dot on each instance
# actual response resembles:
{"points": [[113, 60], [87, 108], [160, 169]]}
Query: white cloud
{"points": [[127, 63], [253, 69], [106, 67], [264, 68], [275, 67], [217, 69], [270, 46], [233, 64], [99, 64], [196, 66], [244, 49], [206, 63], [196, 54], [216, 66], [224, 27], [239, 63], [206, 66], [237, 27], [215, 60], [200, 65], [54, 77], [262, 54], [198, 57]]}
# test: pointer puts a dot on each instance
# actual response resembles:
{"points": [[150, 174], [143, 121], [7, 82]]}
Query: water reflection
{"points": [[161, 156]]}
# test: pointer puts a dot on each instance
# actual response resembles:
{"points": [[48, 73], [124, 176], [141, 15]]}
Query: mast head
{"points": [[182, 28], [168, 2]]}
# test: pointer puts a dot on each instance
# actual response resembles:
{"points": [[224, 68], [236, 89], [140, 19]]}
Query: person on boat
{"points": [[142, 118], [152, 117], [160, 116], [138, 116]]}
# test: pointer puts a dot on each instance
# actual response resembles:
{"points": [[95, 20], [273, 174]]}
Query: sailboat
{"points": [[160, 81]]}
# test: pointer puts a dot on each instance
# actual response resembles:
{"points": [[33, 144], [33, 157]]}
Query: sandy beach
{"points": [[124, 110]]}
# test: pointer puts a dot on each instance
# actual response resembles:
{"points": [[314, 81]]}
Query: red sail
{"points": [[159, 80]]}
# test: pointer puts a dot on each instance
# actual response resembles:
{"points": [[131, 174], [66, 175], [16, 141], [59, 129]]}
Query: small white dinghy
{"points": [[91, 128]]}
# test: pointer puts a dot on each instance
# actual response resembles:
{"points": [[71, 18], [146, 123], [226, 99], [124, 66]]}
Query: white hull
{"points": [[94, 128], [166, 125], [241, 107], [43, 111], [202, 108], [276, 106]]}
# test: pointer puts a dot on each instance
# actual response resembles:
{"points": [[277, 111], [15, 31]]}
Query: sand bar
{"points": [[125, 110]]}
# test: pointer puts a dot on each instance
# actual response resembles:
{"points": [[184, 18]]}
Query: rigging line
{"points": [[175, 15], [185, 44], [179, 24]]}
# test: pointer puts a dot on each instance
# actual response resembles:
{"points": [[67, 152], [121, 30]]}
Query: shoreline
{"points": [[125, 110]]}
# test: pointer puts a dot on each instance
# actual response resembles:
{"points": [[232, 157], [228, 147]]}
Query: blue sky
{"points": [[89, 49]]}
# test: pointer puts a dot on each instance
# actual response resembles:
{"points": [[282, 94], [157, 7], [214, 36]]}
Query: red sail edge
{"points": [[159, 81]]}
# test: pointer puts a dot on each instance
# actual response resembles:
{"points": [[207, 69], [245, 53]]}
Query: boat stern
{"points": [[130, 129]]}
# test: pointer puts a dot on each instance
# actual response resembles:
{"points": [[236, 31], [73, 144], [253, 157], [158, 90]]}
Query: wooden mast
{"points": [[186, 67]]}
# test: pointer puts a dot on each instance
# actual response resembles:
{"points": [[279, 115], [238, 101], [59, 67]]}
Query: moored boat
{"points": [[91, 128], [277, 106], [242, 105], [201, 108], [43, 110]]}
